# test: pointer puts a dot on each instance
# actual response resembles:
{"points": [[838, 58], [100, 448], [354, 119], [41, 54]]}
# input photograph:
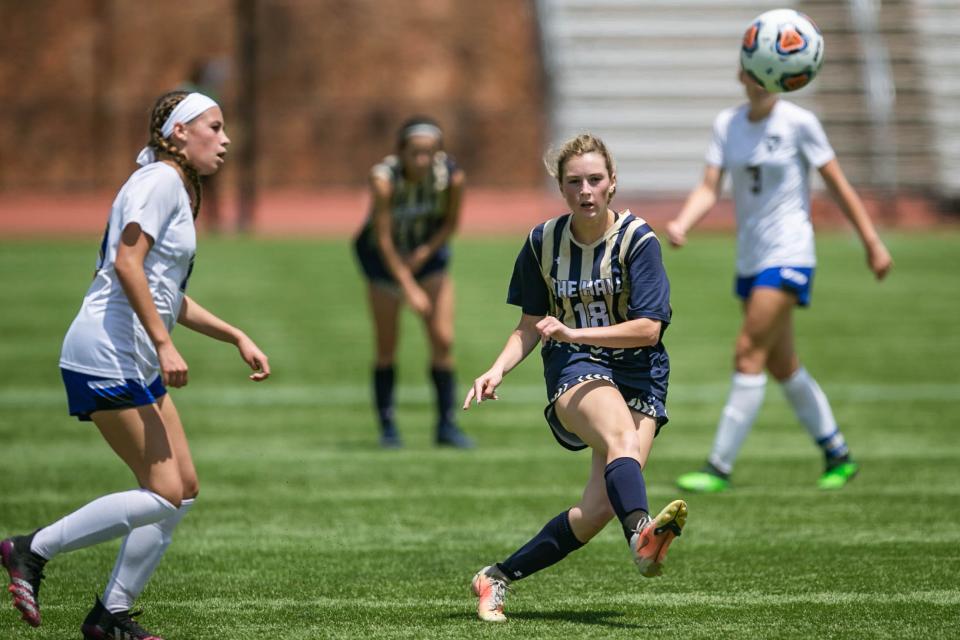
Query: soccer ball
{"points": [[782, 50]]}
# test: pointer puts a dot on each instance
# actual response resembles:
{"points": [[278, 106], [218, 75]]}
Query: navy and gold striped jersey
{"points": [[617, 278], [418, 209]]}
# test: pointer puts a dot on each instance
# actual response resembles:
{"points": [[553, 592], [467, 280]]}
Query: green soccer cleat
{"points": [[703, 482], [837, 477]]}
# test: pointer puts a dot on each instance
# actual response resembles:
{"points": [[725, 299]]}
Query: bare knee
{"points": [[623, 443], [169, 487], [781, 371], [750, 356], [173, 497], [441, 347], [191, 488]]}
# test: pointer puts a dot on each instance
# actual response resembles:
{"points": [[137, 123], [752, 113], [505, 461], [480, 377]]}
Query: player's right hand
{"points": [[484, 388], [676, 234], [173, 368], [418, 300]]}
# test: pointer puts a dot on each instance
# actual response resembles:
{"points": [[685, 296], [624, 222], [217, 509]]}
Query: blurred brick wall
{"points": [[78, 77]]}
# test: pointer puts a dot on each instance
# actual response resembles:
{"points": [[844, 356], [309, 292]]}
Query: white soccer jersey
{"points": [[769, 163], [106, 338]]}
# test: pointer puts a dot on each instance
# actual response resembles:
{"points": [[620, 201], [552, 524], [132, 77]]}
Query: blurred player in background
{"points": [[403, 251], [118, 358], [592, 289], [768, 146]]}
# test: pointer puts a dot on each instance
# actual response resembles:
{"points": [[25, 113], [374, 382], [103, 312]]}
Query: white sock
{"points": [[139, 557], [813, 410], [103, 519], [743, 405]]}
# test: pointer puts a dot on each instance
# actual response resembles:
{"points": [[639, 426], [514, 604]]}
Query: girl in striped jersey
{"points": [[592, 289], [403, 252]]}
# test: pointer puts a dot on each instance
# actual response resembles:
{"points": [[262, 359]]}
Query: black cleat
{"points": [[390, 438], [26, 571], [450, 435], [104, 625]]}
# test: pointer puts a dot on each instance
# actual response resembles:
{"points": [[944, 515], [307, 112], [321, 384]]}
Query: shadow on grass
{"points": [[594, 618]]}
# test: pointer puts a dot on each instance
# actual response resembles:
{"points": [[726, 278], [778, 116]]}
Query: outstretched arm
{"points": [[878, 258], [195, 317], [519, 345], [698, 203]]}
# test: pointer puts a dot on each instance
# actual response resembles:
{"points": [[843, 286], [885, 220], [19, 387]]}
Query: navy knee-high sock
{"points": [[548, 547], [444, 383], [627, 492], [383, 396]]}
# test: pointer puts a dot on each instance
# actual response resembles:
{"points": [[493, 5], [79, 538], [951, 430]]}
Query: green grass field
{"points": [[305, 529]]}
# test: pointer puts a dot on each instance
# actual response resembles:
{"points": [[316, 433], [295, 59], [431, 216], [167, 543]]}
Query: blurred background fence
{"points": [[314, 89]]}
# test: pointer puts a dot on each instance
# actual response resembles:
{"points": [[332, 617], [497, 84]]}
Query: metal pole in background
{"points": [[247, 112], [880, 93], [102, 115]]}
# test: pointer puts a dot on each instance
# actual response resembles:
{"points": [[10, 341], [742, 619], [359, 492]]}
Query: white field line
{"points": [[352, 395], [941, 597]]}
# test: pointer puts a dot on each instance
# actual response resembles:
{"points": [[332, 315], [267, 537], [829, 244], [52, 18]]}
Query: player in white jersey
{"points": [[118, 358], [592, 288], [768, 147]]}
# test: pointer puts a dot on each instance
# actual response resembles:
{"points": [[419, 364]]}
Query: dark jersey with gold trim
{"points": [[619, 277], [418, 209]]}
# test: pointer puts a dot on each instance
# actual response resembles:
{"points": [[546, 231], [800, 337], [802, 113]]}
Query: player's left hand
{"points": [[257, 360], [879, 260], [552, 329]]}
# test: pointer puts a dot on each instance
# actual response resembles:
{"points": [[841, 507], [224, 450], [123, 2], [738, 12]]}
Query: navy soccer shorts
{"points": [[644, 389], [376, 271]]}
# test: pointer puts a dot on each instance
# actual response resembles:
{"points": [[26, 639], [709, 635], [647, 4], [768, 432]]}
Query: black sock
{"points": [[548, 547], [444, 383], [627, 492], [383, 396]]}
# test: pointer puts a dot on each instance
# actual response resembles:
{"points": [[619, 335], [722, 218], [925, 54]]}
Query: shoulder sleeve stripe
{"points": [[633, 235]]}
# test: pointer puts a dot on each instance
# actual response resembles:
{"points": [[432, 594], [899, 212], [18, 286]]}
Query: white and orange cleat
{"points": [[653, 537], [490, 586]]}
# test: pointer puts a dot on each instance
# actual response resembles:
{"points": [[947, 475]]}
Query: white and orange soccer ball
{"points": [[782, 50]]}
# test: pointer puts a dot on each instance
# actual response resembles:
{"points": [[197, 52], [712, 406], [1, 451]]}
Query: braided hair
{"points": [[161, 111]]}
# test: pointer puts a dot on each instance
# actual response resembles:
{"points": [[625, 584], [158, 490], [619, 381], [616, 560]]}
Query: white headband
{"points": [[186, 110], [422, 129]]}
